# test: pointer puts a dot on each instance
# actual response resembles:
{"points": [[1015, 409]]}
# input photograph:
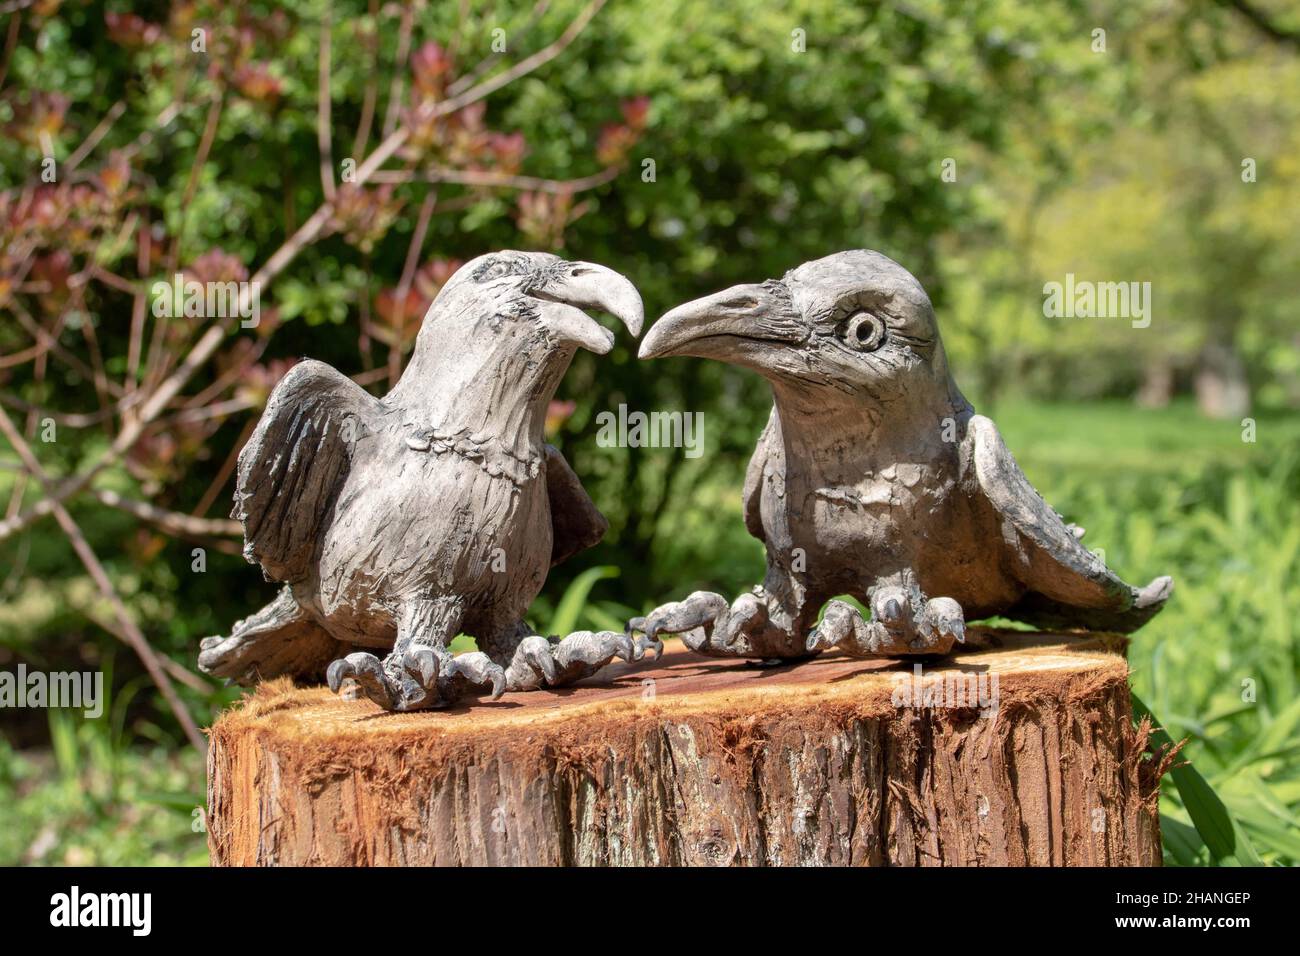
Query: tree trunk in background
{"points": [[1221, 387], [1157, 389], [699, 761]]}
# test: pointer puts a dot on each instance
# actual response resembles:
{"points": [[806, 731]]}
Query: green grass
{"points": [[92, 800], [1161, 492]]}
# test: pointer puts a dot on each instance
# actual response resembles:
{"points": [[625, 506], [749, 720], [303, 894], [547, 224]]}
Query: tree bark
{"points": [[1019, 751]]}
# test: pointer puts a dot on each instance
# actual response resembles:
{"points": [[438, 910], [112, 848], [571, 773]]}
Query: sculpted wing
{"points": [[576, 523], [1069, 585], [292, 468], [753, 493]]}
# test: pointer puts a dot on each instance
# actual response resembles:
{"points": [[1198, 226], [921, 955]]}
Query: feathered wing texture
{"points": [[752, 496], [1069, 585], [292, 468], [576, 523]]}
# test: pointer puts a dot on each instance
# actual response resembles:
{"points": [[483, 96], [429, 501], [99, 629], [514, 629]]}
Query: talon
{"points": [[335, 674], [422, 663], [892, 609], [627, 648], [649, 637], [542, 656], [368, 672], [498, 682], [642, 643]]}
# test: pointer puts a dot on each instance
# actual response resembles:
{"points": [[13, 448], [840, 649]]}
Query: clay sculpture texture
{"points": [[875, 478], [397, 523]]}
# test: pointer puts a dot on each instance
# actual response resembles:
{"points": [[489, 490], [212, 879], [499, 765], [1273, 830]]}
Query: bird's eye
{"points": [[864, 332]]}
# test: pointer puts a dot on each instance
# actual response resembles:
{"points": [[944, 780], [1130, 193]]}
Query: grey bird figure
{"points": [[875, 478], [397, 523]]}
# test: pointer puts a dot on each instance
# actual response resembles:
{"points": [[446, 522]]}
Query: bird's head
{"points": [[506, 326], [853, 325], [534, 299]]}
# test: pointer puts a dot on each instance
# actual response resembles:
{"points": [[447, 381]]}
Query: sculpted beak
{"points": [[585, 285], [738, 325]]}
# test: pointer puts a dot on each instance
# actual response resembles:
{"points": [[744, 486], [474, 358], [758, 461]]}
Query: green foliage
{"points": [[93, 799]]}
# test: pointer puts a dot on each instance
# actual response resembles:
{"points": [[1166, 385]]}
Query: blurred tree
{"points": [[1193, 192]]}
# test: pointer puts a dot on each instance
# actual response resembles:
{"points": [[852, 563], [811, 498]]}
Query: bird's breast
{"points": [[858, 522], [412, 522]]}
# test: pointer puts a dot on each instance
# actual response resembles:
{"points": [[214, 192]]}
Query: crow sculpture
{"points": [[875, 478], [397, 523]]}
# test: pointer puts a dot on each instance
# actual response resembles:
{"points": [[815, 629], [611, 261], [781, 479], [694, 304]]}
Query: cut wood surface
{"points": [[701, 761]]}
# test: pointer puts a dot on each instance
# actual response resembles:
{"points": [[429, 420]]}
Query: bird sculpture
{"points": [[874, 478], [397, 523]]}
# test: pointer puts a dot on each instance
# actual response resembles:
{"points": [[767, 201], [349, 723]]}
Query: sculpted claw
{"points": [[337, 671]]}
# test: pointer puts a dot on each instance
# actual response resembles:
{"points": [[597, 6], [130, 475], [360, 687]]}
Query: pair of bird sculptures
{"points": [[397, 523]]}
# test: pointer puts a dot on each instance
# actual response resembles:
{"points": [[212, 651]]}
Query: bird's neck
{"points": [[502, 396], [839, 442]]}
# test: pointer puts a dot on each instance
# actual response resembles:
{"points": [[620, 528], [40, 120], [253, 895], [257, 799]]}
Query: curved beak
{"points": [[735, 325], [585, 285]]}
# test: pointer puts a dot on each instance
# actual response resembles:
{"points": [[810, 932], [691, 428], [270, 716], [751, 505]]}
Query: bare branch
{"points": [[72, 419], [173, 522], [464, 82], [1263, 23], [196, 171], [395, 89], [99, 132], [472, 177], [408, 276], [362, 139], [323, 107], [97, 573], [49, 342], [223, 473], [186, 677], [11, 41], [135, 346], [394, 142], [204, 413]]}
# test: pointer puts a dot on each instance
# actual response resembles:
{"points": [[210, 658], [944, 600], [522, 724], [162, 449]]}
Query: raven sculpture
{"points": [[397, 523], [875, 478]]}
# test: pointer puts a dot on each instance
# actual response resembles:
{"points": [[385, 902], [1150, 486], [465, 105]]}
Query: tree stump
{"points": [[1019, 751]]}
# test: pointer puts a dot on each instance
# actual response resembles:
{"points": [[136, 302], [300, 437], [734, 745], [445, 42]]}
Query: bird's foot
{"points": [[538, 661], [418, 678], [904, 623], [708, 625]]}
